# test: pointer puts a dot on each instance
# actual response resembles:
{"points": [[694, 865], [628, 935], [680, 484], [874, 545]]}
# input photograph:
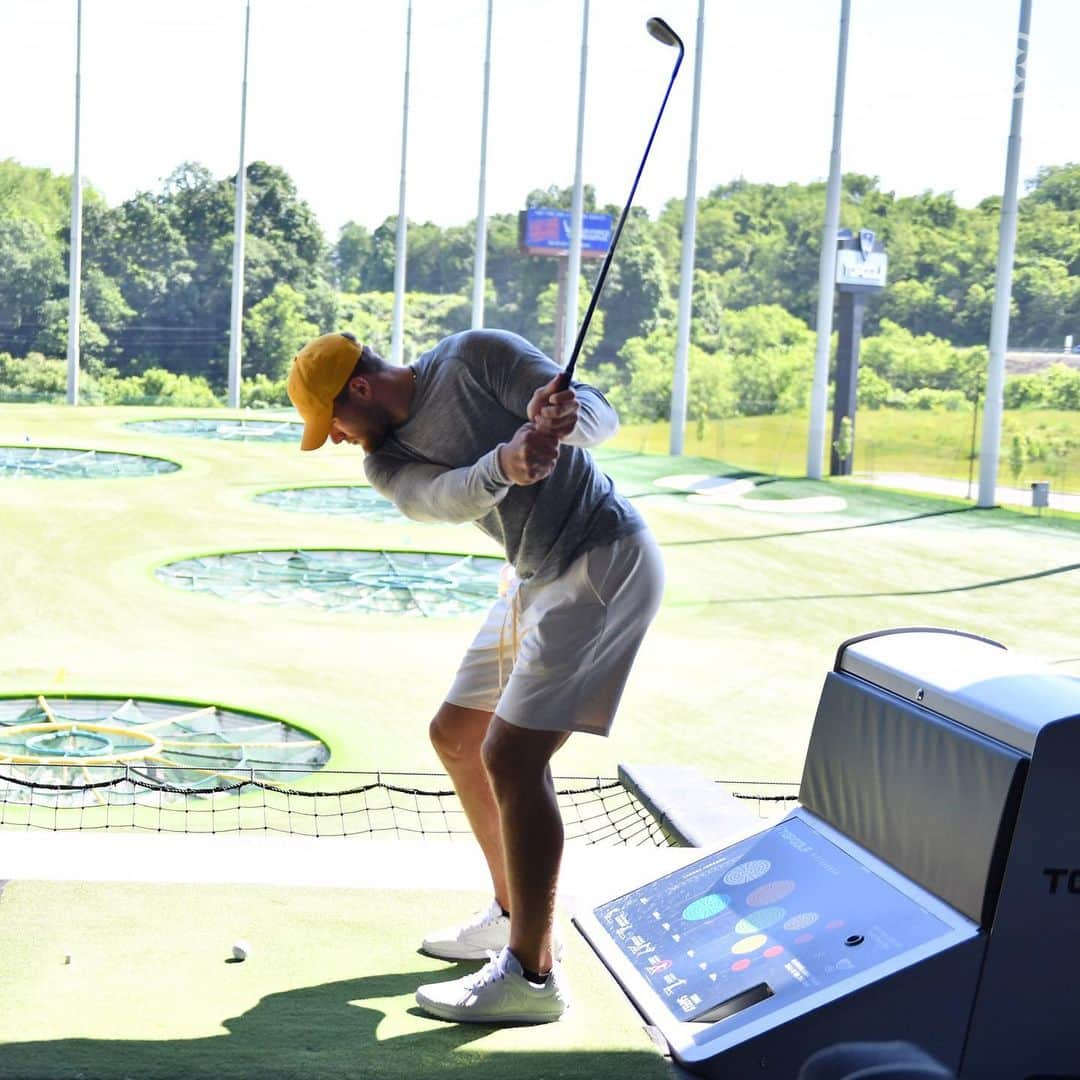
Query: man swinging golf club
{"points": [[478, 430]]}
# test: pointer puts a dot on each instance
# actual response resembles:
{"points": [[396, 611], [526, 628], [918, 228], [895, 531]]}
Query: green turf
{"points": [[326, 992], [728, 679]]}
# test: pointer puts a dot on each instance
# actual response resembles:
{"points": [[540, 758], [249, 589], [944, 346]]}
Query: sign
{"points": [[544, 231], [856, 270]]}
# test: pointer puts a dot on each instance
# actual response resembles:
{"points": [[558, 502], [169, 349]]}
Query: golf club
{"points": [[663, 33]]}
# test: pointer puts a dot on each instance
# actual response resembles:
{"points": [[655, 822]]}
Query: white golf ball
{"points": [[241, 950]]}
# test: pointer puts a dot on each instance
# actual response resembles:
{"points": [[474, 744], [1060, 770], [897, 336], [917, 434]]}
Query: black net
{"points": [[419, 805], [595, 810]]}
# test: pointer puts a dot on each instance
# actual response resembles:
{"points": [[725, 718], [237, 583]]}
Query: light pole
{"points": [[999, 318], [236, 320], [397, 344], [480, 258], [681, 382], [75, 261], [819, 393]]}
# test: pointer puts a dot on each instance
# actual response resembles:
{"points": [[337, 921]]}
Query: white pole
{"points": [[397, 345], [573, 264], [999, 318], [237, 316], [480, 259], [686, 272], [75, 263], [819, 394]]}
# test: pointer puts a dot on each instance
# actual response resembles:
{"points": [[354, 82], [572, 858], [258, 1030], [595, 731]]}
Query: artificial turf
{"points": [[327, 991], [728, 678]]}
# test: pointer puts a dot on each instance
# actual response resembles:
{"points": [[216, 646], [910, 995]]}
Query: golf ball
{"points": [[241, 950]]}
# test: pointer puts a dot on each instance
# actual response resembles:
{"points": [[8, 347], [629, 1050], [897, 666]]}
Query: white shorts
{"points": [[556, 656]]}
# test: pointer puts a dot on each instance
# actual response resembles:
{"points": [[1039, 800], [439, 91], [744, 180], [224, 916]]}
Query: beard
{"points": [[376, 428]]}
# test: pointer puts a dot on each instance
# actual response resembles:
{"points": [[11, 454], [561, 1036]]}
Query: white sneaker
{"points": [[485, 932], [498, 993]]}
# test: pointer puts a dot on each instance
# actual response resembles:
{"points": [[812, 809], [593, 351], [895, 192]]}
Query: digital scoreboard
{"points": [[774, 918], [924, 889]]}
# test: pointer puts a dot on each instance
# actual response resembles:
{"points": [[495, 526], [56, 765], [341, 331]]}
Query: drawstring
{"points": [[509, 585]]}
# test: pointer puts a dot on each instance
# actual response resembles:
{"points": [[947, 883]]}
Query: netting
{"points": [[358, 804], [50, 463], [72, 743], [365, 804], [382, 582], [357, 501], [232, 430]]}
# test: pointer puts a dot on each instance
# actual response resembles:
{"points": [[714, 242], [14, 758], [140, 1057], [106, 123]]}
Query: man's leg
{"points": [[518, 763], [458, 735]]}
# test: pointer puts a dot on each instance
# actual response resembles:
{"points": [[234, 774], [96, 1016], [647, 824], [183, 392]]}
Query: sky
{"points": [[928, 99]]}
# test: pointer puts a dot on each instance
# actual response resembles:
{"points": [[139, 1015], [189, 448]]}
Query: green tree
{"points": [[32, 272], [636, 294], [351, 254], [274, 331], [1017, 457], [1057, 186]]}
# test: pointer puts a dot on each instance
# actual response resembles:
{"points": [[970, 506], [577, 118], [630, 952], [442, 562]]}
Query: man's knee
{"points": [[497, 755], [518, 759], [457, 733]]}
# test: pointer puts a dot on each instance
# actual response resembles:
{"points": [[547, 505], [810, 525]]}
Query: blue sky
{"points": [[928, 95]]}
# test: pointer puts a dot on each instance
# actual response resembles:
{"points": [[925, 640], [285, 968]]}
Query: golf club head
{"points": [[663, 32]]}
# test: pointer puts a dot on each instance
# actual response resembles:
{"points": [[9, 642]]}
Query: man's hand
{"points": [[529, 456], [554, 413]]}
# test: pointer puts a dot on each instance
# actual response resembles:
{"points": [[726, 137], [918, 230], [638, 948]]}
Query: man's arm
{"points": [[595, 420], [522, 379], [435, 493], [427, 492]]}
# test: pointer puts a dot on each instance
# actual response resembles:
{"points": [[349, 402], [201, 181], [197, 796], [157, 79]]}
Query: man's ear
{"points": [[361, 387]]}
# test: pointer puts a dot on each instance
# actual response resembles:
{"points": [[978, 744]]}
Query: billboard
{"points": [[544, 231]]}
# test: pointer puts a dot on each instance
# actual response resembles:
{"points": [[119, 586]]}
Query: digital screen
{"points": [[769, 919], [545, 229]]}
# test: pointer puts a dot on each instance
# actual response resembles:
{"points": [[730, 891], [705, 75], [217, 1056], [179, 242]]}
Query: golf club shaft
{"points": [[568, 373]]}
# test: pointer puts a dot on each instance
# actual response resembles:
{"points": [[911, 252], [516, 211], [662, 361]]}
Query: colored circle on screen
{"points": [[774, 950], [770, 892], [705, 907], [740, 965], [749, 944], [804, 939], [802, 920], [760, 920], [746, 872], [834, 925]]}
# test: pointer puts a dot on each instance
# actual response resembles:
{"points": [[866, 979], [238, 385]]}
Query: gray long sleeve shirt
{"points": [[441, 464]]}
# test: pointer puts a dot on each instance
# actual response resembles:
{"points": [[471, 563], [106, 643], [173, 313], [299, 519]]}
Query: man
{"points": [[476, 430]]}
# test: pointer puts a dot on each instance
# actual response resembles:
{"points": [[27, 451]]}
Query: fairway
{"points": [[757, 600]]}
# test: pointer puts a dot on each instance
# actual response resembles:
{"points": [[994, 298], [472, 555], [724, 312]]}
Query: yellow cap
{"points": [[319, 373]]}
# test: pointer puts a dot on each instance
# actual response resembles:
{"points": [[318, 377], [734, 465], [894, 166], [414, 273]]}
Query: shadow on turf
{"points": [[315, 1032], [993, 583], [815, 532]]}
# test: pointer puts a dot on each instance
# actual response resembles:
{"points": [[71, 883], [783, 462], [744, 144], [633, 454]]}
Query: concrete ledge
{"points": [[692, 810]]}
